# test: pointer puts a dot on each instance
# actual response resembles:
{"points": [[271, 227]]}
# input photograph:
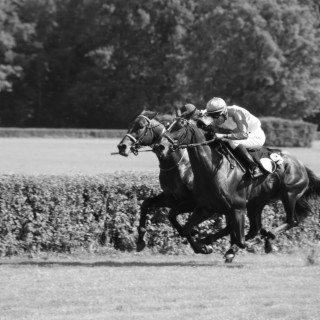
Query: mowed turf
{"points": [[143, 286], [69, 156], [92, 156], [161, 287]]}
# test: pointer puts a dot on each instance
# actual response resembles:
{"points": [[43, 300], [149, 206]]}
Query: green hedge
{"points": [[60, 133], [98, 213], [279, 132], [287, 133]]}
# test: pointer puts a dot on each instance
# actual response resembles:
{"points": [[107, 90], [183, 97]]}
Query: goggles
{"points": [[214, 115]]}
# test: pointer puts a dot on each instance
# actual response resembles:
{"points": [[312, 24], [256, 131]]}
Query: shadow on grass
{"points": [[118, 264]]}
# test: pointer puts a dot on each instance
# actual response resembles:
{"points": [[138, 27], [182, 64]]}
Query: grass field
{"points": [[68, 156], [160, 287], [144, 286], [92, 156]]}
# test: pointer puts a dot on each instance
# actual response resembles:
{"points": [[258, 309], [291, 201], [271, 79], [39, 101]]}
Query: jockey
{"points": [[189, 111], [239, 128]]}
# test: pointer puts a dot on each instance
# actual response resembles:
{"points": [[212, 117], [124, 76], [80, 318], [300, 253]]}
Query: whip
{"points": [[115, 153]]}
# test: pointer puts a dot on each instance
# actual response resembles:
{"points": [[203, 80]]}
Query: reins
{"points": [[175, 146], [176, 165], [192, 145]]}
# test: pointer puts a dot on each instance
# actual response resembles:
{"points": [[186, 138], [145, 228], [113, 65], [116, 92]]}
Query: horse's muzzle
{"points": [[158, 149], [123, 149]]}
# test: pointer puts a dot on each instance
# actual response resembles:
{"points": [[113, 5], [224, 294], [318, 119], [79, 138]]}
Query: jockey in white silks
{"points": [[238, 127]]}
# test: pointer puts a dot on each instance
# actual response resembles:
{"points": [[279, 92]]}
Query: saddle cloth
{"points": [[266, 157]]}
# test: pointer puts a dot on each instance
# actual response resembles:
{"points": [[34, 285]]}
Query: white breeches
{"points": [[255, 139]]}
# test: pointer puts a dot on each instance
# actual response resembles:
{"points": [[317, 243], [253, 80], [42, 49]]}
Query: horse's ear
{"points": [[155, 115], [136, 115], [178, 112]]}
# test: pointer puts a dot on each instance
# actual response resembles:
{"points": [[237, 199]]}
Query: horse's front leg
{"points": [[199, 215], [254, 213], [157, 201], [216, 236], [181, 207], [236, 219]]}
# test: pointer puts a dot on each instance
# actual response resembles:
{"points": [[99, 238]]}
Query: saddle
{"points": [[268, 159]]}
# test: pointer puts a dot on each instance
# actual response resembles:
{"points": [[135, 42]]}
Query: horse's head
{"points": [[144, 130], [179, 133]]}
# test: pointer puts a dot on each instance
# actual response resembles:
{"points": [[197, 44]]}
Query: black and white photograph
{"points": [[159, 159]]}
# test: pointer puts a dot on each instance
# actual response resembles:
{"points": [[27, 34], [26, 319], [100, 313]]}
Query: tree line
{"points": [[97, 63]]}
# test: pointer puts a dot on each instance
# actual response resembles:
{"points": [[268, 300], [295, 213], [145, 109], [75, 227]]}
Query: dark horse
{"points": [[176, 176], [221, 185]]}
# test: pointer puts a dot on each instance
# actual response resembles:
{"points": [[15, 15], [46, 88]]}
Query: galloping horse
{"points": [[221, 186], [176, 176]]}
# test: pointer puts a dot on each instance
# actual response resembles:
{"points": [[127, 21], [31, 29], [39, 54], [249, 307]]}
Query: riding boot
{"points": [[246, 157]]}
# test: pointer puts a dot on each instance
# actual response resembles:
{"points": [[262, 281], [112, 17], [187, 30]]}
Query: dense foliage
{"points": [[97, 63], [101, 213], [288, 133]]}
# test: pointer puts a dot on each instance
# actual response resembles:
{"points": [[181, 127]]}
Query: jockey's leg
{"points": [[255, 139], [246, 157]]}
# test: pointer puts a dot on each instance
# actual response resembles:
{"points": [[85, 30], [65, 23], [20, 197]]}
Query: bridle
{"points": [[138, 143], [178, 145], [175, 146]]}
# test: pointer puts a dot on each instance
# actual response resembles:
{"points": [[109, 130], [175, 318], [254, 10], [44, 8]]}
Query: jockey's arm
{"points": [[233, 135], [240, 132]]}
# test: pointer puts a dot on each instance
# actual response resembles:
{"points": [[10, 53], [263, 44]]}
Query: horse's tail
{"points": [[303, 206], [313, 190]]}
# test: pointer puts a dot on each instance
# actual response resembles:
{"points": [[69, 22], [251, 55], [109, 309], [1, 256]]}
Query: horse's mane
{"points": [[149, 114], [216, 144], [163, 118], [197, 131]]}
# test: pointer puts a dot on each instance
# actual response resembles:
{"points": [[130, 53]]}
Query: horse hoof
{"points": [[268, 246], [141, 245], [204, 241], [207, 249], [250, 248], [229, 258], [194, 232], [204, 250]]}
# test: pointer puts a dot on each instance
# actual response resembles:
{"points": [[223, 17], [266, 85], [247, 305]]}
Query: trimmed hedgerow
{"points": [[60, 133], [288, 133], [67, 213]]}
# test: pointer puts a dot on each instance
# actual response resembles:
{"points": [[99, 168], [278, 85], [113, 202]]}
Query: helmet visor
{"points": [[214, 115]]}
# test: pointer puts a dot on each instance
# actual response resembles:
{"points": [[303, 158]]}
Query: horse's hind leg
{"points": [[289, 200], [295, 183]]}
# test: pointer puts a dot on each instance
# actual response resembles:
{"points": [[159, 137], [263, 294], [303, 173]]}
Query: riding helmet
{"points": [[216, 106]]}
